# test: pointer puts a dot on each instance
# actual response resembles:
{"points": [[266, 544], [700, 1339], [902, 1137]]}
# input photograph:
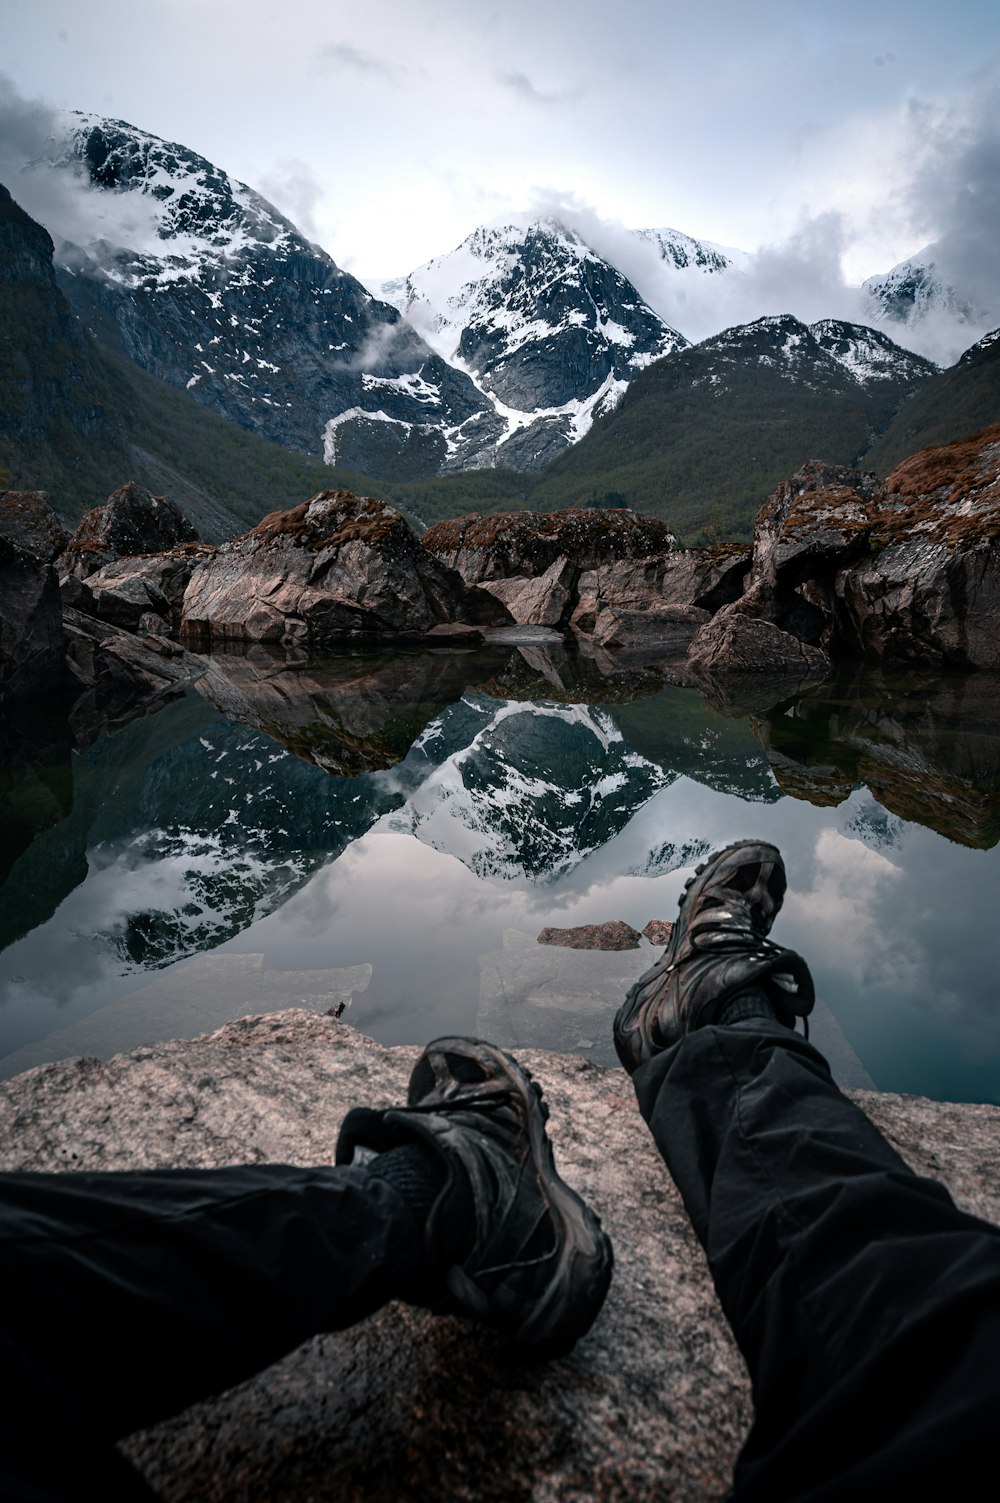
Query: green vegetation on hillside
{"points": [[959, 401]]}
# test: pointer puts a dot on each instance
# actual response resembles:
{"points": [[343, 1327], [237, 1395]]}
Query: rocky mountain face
{"points": [[205, 285], [549, 331], [55, 390], [706, 433], [78, 419]]}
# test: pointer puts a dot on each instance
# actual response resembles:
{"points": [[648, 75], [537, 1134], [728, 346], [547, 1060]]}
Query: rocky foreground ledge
{"points": [[653, 1403]]}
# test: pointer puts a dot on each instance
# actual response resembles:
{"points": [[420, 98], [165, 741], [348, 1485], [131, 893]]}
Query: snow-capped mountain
{"points": [[813, 356], [685, 254], [930, 301], [547, 329], [206, 285], [913, 290]]}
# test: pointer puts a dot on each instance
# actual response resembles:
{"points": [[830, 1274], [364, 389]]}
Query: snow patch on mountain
{"points": [[544, 327], [928, 304]]}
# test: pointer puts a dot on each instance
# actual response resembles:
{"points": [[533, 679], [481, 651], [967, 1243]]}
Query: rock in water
{"points": [[338, 566], [613, 935], [929, 591], [908, 571]]}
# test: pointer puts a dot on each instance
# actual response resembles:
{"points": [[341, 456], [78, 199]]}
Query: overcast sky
{"points": [[389, 128]]}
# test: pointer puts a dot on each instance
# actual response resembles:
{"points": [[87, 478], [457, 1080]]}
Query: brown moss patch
{"points": [[952, 467], [345, 518]]}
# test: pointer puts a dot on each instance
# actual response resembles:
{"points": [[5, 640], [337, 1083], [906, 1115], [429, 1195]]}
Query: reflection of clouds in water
{"points": [[843, 912]]}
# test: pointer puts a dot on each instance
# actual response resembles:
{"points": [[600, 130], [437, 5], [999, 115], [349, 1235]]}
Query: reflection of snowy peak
{"points": [[671, 856], [864, 819], [206, 285], [207, 855], [548, 330], [533, 791]]}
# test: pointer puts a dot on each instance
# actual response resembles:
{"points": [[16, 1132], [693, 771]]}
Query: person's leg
{"points": [[867, 1306], [129, 1296]]}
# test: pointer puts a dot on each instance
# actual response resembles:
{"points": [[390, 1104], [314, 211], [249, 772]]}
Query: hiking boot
{"points": [[718, 949], [538, 1263]]}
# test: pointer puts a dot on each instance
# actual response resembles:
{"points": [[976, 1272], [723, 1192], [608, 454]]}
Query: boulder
{"points": [[734, 643], [525, 544], [908, 571], [654, 1401], [32, 647], [658, 931], [703, 578], [131, 521], [337, 567], [121, 673], [929, 590], [27, 519], [541, 601], [144, 592]]}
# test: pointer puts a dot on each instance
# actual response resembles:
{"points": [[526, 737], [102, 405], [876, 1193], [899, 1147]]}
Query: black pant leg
{"points": [[866, 1304], [129, 1296]]}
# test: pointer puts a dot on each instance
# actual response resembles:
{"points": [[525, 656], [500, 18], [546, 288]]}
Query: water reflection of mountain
{"points": [[516, 790], [210, 821], [928, 748], [202, 821], [208, 824], [679, 731]]}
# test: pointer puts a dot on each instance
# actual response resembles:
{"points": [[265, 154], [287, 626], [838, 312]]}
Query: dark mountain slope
{"points": [[960, 400], [78, 421], [705, 434]]}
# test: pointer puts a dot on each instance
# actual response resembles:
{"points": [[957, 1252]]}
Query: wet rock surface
{"points": [[653, 1403]]}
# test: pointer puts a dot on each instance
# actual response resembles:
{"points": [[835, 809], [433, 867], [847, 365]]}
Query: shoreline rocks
{"points": [[841, 568]]}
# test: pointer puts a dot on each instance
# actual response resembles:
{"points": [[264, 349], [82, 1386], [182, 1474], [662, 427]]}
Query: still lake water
{"points": [[388, 834]]}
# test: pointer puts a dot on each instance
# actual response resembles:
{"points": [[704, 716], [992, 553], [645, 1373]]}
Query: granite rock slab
{"points": [[653, 1403]]}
